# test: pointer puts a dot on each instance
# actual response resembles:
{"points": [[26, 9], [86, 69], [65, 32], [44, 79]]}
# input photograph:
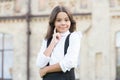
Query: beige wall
{"points": [[18, 30], [98, 52], [38, 29]]}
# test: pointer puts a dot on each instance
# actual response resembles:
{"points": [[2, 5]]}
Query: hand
{"points": [[56, 37], [42, 72]]}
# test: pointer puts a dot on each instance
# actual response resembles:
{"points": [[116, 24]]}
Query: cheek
{"points": [[57, 24], [69, 24], [68, 27]]}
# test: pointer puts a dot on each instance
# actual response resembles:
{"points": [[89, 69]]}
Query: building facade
{"points": [[23, 24]]}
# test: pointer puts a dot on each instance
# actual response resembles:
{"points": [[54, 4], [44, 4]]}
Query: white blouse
{"points": [[68, 61]]}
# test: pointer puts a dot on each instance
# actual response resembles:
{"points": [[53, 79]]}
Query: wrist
{"points": [[53, 43], [46, 70]]}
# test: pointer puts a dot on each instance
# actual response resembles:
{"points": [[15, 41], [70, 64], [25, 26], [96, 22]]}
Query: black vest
{"points": [[69, 75]]}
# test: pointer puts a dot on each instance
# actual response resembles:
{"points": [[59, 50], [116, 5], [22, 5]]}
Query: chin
{"points": [[62, 31]]}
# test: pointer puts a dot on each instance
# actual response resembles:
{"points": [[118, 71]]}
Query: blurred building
{"points": [[23, 24]]}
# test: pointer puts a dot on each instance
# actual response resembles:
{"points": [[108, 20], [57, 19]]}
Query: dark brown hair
{"points": [[52, 19]]}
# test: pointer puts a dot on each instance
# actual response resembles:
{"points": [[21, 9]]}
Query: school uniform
{"points": [[67, 61]]}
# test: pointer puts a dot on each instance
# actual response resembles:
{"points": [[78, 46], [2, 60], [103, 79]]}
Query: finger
{"points": [[59, 36], [54, 30]]}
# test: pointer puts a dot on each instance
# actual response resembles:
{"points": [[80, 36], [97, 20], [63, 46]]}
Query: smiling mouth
{"points": [[64, 27]]}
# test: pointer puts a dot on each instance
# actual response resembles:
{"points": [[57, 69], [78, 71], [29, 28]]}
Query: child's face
{"points": [[62, 22]]}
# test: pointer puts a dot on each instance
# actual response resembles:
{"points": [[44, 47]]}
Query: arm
{"points": [[49, 50], [42, 60], [55, 40], [53, 68], [71, 58], [49, 69], [44, 54]]}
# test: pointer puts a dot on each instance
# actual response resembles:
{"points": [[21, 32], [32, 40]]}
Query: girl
{"points": [[54, 60]]}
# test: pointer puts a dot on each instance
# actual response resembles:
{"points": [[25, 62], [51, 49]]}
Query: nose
{"points": [[63, 22]]}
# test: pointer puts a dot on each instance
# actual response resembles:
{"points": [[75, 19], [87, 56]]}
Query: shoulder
{"points": [[44, 41], [76, 34]]}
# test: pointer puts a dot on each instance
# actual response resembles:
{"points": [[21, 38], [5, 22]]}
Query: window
{"points": [[118, 56], [6, 56]]}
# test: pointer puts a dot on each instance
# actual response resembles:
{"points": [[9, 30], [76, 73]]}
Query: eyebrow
{"points": [[60, 18]]}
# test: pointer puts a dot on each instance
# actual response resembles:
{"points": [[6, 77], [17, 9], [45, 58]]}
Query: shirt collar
{"points": [[65, 33]]}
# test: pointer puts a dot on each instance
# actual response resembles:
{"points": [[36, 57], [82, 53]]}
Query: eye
{"points": [[58, 20], [67, 20]]}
